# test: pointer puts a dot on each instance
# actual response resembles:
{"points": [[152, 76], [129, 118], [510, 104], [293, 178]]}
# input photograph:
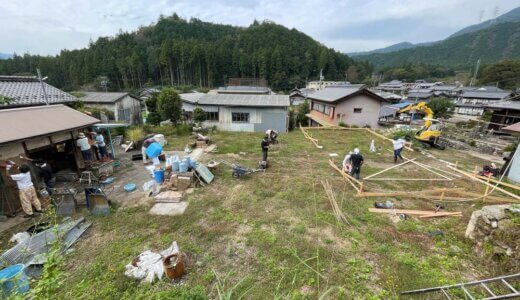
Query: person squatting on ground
{"points": [[398, 147], [146, 142], [28, 197], [356, 160]]}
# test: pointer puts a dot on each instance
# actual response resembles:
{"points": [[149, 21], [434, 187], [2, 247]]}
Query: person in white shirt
{"points": [[28, 197], [398, 147], [347, 167], [100, 142], [82, 143]]}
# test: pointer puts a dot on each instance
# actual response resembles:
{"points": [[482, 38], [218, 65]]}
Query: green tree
{"points": [[441, 107], [303, 109], [169, 105], [199, 115], [153, 117], [506, 73]]}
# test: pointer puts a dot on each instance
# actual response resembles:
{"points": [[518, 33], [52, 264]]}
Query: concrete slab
{"points": [[169, 209]]}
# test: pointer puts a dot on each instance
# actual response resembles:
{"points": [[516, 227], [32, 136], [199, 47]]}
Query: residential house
{"points": [[353, 106], [240, 112], [121, 107], [147, 93], [394, 86], [392, 97], [50, 136], [318, 85], [23, 91], [514, 169], [419, 95], [504, 113], [298, 96], [248, 90], [473, 102]]}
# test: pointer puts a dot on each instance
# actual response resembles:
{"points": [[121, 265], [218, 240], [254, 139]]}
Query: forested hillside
{"points": [[492, 44], [179, 52]]}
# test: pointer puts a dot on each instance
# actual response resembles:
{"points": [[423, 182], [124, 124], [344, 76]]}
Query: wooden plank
{"points": [[441, 214], [349, 178], [407, 179], [484, 182], [407, 193], [410, 211], [513, 186], [430, 168]]}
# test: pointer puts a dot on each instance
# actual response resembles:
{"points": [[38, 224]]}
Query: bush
{"points": [[199, 115], [292, 120], [472, 143], [342, 124], [303, 109], [134, 134], [169, 105], [441, 107]]}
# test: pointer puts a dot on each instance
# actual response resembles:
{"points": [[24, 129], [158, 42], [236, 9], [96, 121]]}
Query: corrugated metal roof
{"points": [[46, 120], [505, 105], [244, 88], [421, 95], [27, 91], [485, 95], [101, 97], [191, 97], [245, 100]]}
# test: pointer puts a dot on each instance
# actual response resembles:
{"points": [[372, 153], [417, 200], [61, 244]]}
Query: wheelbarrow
{"points": [[239, 171]]}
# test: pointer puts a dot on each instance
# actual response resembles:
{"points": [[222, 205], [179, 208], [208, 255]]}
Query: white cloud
{"points": [[47, 26]]}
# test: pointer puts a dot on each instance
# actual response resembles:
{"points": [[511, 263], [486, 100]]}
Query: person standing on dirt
{"points": [[356, 160], [28, 197], [45, 171], [398, 147], [265, 148]]}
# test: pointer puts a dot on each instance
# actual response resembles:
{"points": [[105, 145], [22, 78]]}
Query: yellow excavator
{"points": [[430, 133]]}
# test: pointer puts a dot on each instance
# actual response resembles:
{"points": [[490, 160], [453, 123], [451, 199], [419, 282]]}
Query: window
{"points": [[212, 116], [357, 110], [123, 114], [326, 110], [240, 117]]}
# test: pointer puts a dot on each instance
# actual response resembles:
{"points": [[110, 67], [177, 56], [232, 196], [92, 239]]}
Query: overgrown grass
{"points": [[274, 235]]}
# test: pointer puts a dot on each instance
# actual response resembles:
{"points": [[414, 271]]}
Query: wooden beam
{"points": [[387, 169], [349, 178], [407, 179], [430, 168], [388, 139], [408, 193], [411, 212], [484, 182], [441, 214], [513, 186]]}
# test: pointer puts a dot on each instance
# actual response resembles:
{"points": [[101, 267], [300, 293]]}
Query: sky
{"points": [[47, 26]]}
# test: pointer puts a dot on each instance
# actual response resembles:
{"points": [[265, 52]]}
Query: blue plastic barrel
{"points": [[183, 166], [175, 165], [154, 150], [14, 278], [158, 175], [193, 164]]}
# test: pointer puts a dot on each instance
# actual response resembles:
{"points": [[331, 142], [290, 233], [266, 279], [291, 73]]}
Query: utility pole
{"points": [[43, 86], [474, 79]]}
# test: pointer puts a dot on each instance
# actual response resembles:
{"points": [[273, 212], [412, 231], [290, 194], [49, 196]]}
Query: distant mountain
{"points": [[497, 42], [5, 56], [511, 16]]}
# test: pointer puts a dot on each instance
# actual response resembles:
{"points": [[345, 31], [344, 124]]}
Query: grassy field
{"points": [[274, 235]]}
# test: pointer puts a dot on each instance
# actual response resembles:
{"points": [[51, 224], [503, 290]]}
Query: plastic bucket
{"points": [[14, 278], [158, 175], [154, 150], [183, 166], [175, 165]]}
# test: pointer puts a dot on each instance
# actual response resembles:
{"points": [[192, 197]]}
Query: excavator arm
{"points": [[421, 106], [428, 133]]}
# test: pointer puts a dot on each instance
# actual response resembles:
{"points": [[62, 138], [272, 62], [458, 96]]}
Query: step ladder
{"points": [[504, 282]]}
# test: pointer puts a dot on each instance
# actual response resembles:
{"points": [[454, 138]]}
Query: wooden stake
{"points": [[487, 188], [516, 187], [349, 178]]}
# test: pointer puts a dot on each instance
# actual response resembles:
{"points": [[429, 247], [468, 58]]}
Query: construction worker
{"points": [[146, 142], [28, 197], [265, 147], [347, 167], [45, 171], [83, 144], [272, 135], [100, 144], [356, 160], [398, 147]]}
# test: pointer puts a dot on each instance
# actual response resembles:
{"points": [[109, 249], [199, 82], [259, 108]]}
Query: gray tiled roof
{"points": [[245, 100], [101, 97], [419, 94], [27, 91]]}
